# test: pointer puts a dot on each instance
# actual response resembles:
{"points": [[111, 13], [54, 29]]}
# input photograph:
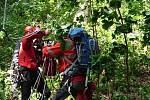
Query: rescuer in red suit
{"points": [[28, 64], [73, 82]]}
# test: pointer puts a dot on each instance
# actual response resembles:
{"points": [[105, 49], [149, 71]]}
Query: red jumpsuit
{"points": [[27, 56], [29, 68], [65, 60]]}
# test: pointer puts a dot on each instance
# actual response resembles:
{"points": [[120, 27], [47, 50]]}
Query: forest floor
{"points": [[139, 89]]}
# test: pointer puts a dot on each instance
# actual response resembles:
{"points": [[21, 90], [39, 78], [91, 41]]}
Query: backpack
{"points": [[85, 53], [86, 49]]}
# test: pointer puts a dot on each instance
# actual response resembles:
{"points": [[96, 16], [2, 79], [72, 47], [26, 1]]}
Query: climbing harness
{"points": [[49, 64], [41, 74]]}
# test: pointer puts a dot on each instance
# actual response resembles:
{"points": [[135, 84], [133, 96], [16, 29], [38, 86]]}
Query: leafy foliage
{"points": [[110, 19]]}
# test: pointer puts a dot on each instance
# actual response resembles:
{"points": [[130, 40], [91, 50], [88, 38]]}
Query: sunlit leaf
{"points": [[2, 34]]}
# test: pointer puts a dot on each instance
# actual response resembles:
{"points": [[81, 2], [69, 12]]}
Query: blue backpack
{"points": [[86, 48]]}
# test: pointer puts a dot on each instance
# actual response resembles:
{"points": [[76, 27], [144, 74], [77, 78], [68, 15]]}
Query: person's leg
{"points": [[90, 89], [88, 94], [84, 94], [25, 90], [61, 94], [43, 89], [78, 89], [25, 85], [41, 86], [80, 95]]}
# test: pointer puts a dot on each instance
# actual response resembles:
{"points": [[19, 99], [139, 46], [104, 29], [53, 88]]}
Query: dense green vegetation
{"points": [[122, 27]]}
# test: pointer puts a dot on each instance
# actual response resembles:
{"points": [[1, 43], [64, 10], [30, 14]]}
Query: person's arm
{"points": [[28, 38], [52, 51]]}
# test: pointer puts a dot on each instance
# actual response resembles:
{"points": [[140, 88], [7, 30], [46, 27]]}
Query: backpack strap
{"points": [[93, 46], [70, 62], [79, 53], [69, 68]]}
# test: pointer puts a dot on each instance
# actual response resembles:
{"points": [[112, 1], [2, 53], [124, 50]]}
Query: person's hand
{"points": [[47, 32], [36, 29]]}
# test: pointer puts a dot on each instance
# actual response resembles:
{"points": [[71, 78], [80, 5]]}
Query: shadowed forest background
{"points": [[122, 28]]}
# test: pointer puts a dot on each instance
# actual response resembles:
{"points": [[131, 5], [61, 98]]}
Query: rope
{"points": [[50, 64], [35, 86], [4, 18]]}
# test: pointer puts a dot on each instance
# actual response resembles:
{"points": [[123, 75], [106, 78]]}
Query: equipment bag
{"points": [[86, 50], [86, 47]]}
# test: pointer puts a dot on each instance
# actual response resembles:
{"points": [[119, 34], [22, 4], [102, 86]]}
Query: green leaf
{"points": [[147, 21], [80, 18], [97, 1], [146, 13], [146, 39], [2, 34], [123, 29], [94, 19], [96, 13], [107, 24], [115, 4], [130, 20], [118, 48]]}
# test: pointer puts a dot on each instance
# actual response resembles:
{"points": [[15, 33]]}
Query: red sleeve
{"points": [[52, 51], [27, 39]]}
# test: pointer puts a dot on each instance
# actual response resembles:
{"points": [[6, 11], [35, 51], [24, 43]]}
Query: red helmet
{"points": [[28, 29]]}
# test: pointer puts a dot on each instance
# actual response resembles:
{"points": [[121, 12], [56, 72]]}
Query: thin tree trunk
{"points": [[126, 55]]}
